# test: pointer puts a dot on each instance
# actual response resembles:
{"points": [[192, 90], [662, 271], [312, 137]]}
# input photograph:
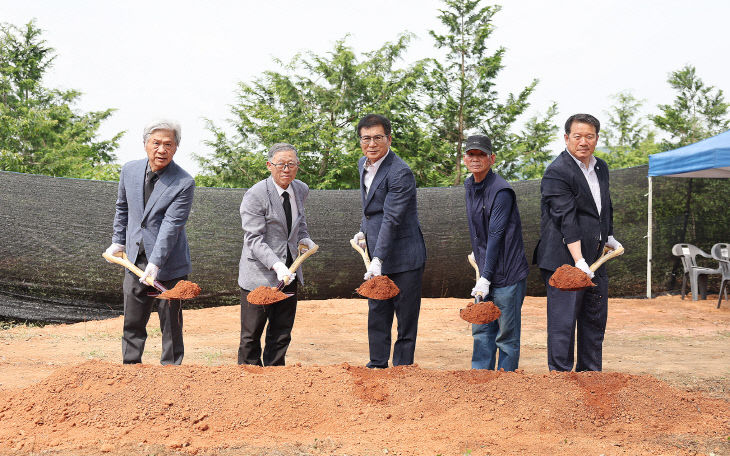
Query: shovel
{"points": [[176, 292], [378, 287], [479, 312], [264, 295], [570, 278]]}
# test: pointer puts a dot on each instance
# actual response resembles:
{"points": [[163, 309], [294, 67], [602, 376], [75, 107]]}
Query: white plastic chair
{"points": [[721, 252], [688, 254]]}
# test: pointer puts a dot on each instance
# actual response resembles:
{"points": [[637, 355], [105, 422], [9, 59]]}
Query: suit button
{"points": [[144, 226], [367, 217], [137, 243]]}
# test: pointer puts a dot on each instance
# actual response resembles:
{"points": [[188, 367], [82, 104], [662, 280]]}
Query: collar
{"points": [[377, 163], [158, 172], [591, 162], [281, 190]]}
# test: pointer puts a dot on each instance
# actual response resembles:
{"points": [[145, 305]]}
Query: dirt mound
{"points": [[341, 409]]}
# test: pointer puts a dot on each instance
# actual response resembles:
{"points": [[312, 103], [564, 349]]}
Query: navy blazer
{"points": [[390, 216], [161, 223], [569, 214]]}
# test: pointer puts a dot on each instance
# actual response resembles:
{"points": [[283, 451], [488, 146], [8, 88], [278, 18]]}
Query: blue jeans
{"points": [[503, 333]]}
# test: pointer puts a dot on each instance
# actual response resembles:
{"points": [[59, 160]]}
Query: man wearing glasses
{"points": [[274, 225], [392, 235]]}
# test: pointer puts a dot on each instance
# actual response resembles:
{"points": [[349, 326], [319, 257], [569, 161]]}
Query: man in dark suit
{"points": [[392, 233], [577, 221], [153, 203], [274, 226]]}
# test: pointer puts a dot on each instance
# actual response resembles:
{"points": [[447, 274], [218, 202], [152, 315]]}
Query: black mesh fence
{"points": [[53, 231]]}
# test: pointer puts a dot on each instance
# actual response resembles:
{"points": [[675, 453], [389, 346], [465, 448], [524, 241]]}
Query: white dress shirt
{"points": [[592, 178], [370, 170], [292, 201]]}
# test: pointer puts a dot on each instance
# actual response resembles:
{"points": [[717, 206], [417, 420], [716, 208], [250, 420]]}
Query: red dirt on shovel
{"points": [[379, 287], [184, 289], [570, 278], [263, 296], [480, 313]]}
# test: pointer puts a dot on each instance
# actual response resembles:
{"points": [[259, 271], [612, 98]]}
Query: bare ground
{"points": [[665, 389]]}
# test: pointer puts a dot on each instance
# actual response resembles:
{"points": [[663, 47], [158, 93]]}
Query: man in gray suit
{"points": [[392, 233], [153, 203], [274, 225]]}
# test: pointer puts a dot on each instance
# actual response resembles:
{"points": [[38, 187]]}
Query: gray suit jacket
{"points": [[390, 216], [160, 224], [264, 232]]}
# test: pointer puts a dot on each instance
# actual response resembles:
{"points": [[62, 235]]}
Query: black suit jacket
{"points": [[569, 214]]}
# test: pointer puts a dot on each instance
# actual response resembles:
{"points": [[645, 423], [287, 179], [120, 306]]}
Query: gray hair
{"points": [[278, 147], [162, 124]]}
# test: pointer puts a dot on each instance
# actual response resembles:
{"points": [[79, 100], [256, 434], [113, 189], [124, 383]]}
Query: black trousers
{"points": [[406, 306], [137, 309], [586, 310], [280, 316]]}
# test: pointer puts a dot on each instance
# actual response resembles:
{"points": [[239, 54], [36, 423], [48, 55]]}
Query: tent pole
{"points": [[648, 243]]}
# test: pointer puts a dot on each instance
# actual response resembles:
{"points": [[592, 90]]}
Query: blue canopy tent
{"points": [[707, 158]]}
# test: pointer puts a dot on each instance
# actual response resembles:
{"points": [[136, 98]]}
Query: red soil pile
{"points": [[264, 296], [102, 408], [379, 287], [184, 289], [570, 278], [480, 313]]}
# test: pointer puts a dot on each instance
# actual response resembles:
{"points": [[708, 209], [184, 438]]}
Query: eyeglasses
{"points": [[290, 165], [377, 138]]}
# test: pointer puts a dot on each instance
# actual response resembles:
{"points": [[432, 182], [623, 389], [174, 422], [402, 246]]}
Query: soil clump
{"points": [[264, 296], [184, 289], [379, 287], [570, 278], [480, 313]]}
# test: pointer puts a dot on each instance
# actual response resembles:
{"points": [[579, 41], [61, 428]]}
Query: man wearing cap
{"points": [[496, 239], [576, 223]]}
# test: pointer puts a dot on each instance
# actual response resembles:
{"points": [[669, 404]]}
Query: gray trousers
{"points": [[137, 310]]}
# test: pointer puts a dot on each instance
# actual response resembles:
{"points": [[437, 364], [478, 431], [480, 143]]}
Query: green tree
{"points": [[532, 146], [315, 104], [40, 132], [461, 89], [627, 138], [698, 111]]}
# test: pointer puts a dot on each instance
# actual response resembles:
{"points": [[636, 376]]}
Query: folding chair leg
{"points": [[684, 285], [723, 287]]}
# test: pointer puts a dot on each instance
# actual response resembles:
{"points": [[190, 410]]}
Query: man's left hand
{"points": [[150, 271], [305, 244], [481, 288], [374, 269], [612, 243]]}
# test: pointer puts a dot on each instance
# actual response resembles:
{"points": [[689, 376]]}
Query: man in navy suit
{"points": [[392, 234], [577, 221], [153, 203]]}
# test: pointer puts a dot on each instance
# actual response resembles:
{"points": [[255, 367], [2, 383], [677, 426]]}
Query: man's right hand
{"points": [[360, 239], [583, 266], [283, 273], [114, 249]]}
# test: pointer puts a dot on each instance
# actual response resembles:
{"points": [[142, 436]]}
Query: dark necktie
{"points": [[287, 213], [149, 185]]}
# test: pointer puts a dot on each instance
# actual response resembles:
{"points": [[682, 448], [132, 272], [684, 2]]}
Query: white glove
{"points": [[150, 271], [360, 239], [307, 243], [612, 243], [374, 269], [583, 266], [283, 273], [114, 248], [481, 288]]}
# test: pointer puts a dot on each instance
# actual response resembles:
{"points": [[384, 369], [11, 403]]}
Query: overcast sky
{"points": [[183, 59]]}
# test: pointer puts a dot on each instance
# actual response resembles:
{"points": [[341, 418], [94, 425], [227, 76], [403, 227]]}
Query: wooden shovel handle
{"points": [[362, 252], [607, 255], [121, 259], [473, 262], [302, 256]]}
